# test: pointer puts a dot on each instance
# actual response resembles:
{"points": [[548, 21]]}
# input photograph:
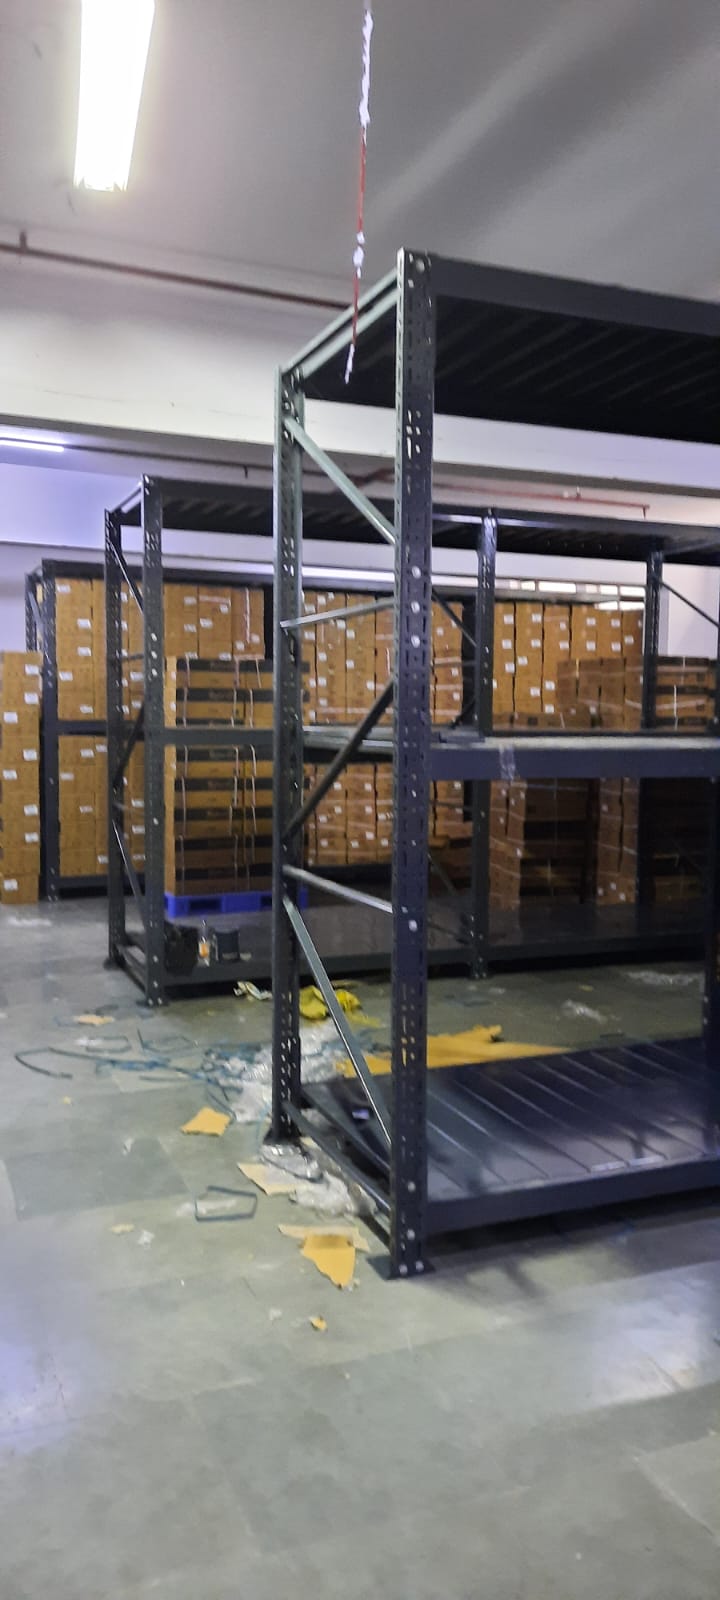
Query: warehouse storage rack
{"points": [[162, 955], [350, 939], [471, 1145]]}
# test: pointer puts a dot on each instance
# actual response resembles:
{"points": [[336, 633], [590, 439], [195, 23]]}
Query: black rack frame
{"points": [[612, 343]]}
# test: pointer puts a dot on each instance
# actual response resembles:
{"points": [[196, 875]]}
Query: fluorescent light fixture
{"points": [[32, 444], [113, 51], [556, 586]]}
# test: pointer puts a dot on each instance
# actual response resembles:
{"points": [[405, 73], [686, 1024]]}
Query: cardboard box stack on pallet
{"points": [[574, 667], [19, 776], [218, 800]]}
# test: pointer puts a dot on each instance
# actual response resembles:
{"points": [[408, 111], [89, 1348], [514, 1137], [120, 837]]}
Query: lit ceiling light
{"points": [[113, 52], [32, 444]]}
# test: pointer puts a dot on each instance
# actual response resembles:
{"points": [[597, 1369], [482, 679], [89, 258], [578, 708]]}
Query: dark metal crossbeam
{"points": [[341, 760], [343, 891], [120, 561], [340, 479], [691, 603], [129, 746], [314, 617], [338, 1015]]}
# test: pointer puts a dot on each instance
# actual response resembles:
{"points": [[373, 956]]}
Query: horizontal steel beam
{"points": [[341, 480], [342, 891], [379, 299], [596, 755], [338, 1015]]}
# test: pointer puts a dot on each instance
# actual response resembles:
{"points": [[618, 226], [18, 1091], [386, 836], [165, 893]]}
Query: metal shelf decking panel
{"points": [[551, 1133], [355, 940]]}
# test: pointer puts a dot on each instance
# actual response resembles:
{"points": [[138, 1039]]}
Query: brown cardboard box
{"points": [[76, 694], [248, 622], [19, 779], [20, 674], [19, 890]]}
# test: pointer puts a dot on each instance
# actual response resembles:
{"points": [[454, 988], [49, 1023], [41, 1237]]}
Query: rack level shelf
{"points": [[548, 1134]]}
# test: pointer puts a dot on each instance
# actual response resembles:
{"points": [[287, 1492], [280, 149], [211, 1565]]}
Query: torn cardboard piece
{"points": [[478, 1045], [295, 1230], [208, 1121], [333, 1255], [92, 1019], [264, 1178]]}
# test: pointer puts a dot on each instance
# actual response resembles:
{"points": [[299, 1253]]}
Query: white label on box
{"points": [[84, 650], [629, 638], [67, 777], [9, 774], [254, 638], [350, 666], [30, 755], [509, 618], [509, 666], [100, 748], [138, 804], [31, 671], [31, 699], [102, 861], [10, 883], [507, 644], [549, 710], [549, 683], [536, 644], [205, 622], [84, 622], [10, 716], [137, 827], [86, 811], [65, 677], [589, 645], [30, 811], [87, 752], [62, 588], [189, 627], [616, 647], [591, 622], [32, 838], [189, 599], [522, 661], [87, 711], [534, 694]]}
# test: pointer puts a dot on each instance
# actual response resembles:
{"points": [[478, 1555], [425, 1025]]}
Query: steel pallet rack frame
{"points": [[40, 634], [472, 1146]]}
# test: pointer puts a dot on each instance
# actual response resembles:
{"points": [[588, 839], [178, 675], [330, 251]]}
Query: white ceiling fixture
{"points": [[113, 53]]}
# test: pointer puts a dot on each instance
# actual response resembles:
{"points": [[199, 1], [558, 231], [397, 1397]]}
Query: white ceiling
{"points": [[578, 136]]}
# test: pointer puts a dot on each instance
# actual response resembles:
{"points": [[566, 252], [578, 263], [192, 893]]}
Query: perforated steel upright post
{"points": [[153, 664], [651, 646], [711, 1000], [50, 736], [414, 402], [113, 635], [483, 696], [287, 751]]}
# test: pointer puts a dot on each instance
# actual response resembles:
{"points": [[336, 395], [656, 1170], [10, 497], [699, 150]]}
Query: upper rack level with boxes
{"points": [[65, 620], [465, 1146]]}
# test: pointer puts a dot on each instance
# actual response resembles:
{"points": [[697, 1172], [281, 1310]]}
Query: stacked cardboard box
{"points": [[19, 776], [541, 650], [685, 692], [540, 841], [446, 689], [82, 805], [617, 841]]}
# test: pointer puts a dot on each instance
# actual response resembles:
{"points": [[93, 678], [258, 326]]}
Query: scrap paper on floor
{"points": [[333, 1254], [207, 1121], [473, 1045]]}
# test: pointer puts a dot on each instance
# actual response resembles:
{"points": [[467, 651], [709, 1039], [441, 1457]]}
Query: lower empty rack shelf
{"points": [[552, 1133]]}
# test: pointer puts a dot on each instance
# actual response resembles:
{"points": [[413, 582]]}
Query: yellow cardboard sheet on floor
{"points": [[207, 1121], [341, 1230], [269, 1181], [479, 1044], [333, 1255]]}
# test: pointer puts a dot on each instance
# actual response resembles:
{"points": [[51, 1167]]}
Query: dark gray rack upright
{"points": [[463, 1147]]}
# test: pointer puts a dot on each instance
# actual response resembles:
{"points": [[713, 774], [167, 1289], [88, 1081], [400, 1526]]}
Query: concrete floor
{"points": [[534, 1421]]}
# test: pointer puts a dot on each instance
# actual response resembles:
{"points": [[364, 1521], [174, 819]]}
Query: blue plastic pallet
{"points": [[204, 905]]}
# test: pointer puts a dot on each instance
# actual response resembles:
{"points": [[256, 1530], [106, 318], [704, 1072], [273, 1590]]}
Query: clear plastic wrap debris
{"points": [[655, 978], [576, 1008]]}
